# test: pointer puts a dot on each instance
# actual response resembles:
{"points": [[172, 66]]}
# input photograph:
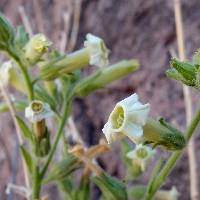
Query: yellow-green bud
{"points": [[36, 47]]}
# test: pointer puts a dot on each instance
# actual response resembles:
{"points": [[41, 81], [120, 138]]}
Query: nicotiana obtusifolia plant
{"points": [[48, 82]]}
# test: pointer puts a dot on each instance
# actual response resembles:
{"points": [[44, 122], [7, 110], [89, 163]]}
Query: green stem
{"points": [[58, 135], [36, 183], [18, 59], [172, 160]]}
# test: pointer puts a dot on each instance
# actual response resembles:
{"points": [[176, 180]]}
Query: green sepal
{"points": [[174, 74], [64, 168], [21, 37], [161, 133], [27, 157], [184, 71], [27, 133], [174, 140], [112, 188], [185, 68]]}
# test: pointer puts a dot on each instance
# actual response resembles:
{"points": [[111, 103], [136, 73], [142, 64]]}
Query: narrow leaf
{"points": [[27, 158], [25, 129]]}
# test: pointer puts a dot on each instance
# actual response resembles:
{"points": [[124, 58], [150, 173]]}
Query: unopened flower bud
{"points": [[36, 47], [141, 156], [127, 119], [105, 76], [97, 50], [172, 194], [185, 72], [162, 133]]}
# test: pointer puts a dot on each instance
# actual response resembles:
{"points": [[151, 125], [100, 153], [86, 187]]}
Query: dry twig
{"points": [[25, 20], [75, 25], [20, 139]]}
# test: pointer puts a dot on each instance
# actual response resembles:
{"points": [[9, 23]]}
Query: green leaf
{"points": [[7, 33], [64, 168], [21, 37], [83, 191], [25, 129], [67, 187], [112, 188], [27, 158]]}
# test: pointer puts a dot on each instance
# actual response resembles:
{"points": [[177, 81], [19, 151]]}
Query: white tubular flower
{"points": [[141, 155], [172, 194], [37, 111], [127, 119], [36, 47], [98, 51], [6, 70]]}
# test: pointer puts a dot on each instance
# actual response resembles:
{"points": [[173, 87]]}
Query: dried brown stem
{"points": [[20, 139], [25, 20], [75, 25]]}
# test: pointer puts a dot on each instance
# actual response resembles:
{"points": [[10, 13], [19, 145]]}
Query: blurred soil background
{"points": [[132, 29]]}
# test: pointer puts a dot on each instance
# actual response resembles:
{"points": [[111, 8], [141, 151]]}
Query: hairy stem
{"points": [[172, 160], [58, 135], [18, 59], [36, 182]]}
